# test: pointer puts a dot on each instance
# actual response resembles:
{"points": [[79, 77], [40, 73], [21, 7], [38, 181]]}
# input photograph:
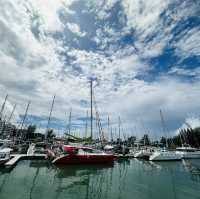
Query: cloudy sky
{"points": [[145, 55]]}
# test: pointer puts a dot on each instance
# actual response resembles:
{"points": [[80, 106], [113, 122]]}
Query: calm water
{"points": [[127, 179]]}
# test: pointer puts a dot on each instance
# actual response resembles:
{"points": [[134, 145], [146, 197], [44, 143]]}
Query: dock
{"points": [[15, 158]]}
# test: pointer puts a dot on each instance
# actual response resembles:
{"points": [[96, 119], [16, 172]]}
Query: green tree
{"points": [[145, 140], [163, 141], [31, 129], [50, 135]]}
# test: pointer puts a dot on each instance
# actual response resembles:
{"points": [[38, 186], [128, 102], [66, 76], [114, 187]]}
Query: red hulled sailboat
{"points": [[82, 155]]}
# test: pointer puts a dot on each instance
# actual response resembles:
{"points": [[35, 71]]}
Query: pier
{"points": [[15, 158]]}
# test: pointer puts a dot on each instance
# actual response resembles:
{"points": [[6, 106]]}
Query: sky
{"points": [[144, 55]]}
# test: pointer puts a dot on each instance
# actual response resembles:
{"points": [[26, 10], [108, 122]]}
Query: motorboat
{"points": [[188, 152], [165, 155], [4, 155], [81, 155]]}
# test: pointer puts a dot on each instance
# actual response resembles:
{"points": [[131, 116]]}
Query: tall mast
{"points": [[86, 124], [119, 123], [91, 108], [50, 113], [111, 134], [25, 115], [3, 106], [11, 115], [70, 119], [163, 126], [108, 127]]}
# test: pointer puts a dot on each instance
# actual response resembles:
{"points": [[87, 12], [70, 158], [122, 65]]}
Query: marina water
{"points": [[131, 179]]}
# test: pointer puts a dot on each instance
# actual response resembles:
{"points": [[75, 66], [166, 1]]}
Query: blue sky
{"points": [[145, 55]]}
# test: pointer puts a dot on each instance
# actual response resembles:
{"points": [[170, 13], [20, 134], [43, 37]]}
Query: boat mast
{"points": [[11, 115], [111, 133], [91, 108], [50, 113], [119, 123], [70, 119], [108, 127], [3, 106], [164, 127], [24, 118], [86, 124]]}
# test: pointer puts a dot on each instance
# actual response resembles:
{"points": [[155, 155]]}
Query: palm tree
{"points": [[50, 135]]}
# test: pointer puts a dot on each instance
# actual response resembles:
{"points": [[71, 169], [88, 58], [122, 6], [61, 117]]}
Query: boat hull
{"points": [[165, 156], [190, 155]]}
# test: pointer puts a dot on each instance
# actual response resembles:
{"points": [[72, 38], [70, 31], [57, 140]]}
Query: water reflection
{"points": [[123, 180], [95, 180], [193, 167]]}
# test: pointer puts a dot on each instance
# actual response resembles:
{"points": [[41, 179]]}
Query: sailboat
{"points": [[68, 154], [164, 154]]}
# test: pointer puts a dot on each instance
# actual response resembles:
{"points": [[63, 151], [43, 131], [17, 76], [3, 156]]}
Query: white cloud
{"points": [[32, 67], [189, 43], [75, 29]]}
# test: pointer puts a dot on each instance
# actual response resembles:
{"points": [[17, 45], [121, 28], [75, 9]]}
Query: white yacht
{"points": [[4, 155], [188, 152], [165, 155]]}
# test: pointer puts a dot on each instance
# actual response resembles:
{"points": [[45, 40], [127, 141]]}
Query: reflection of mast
{"points": [[3, 106], [47, 128], [34, 181]]}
